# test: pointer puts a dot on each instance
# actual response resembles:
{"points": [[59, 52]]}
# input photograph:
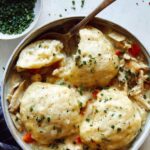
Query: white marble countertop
{"points": [[134, 15]]}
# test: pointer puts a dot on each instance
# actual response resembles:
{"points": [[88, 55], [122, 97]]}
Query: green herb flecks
{"points": [[48, 119], [80, 104], [80, 90], [87, 120], [73, 2], [16, 15], [112, 126], [105, 111], [60, 15], [39, 119], [118, 129], [82, 3]]}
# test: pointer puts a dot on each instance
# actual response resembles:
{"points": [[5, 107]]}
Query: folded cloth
{"points": [[6, 140], [7, 147]]}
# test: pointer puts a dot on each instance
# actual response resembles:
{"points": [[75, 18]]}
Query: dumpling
{"points": [[40, 54], [111, 122], [94, 63], [50, 111]]}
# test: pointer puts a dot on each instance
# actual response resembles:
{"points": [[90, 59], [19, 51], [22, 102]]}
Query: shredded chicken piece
{"points": [[139, 98], [12, 90], [13, 84], [122, 63], [17, 121], [121, 76], [127, 56], [116, 36], [36, 77], [133, 64], [15, 100], [138, 91], [136, 66], [127, 45], [126, 87], [140, 86]]}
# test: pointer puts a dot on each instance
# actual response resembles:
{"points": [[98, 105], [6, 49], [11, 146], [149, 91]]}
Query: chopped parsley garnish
{"points": [[105, 111], [96, 111], [61, 83], [112, 126], [144, 96], [80, 104], [120, 115], [140, 129], [40, 119], [16, 119], [60, 15], [73, 8], [31, 108], [54, 54], [87, 119], [112, 115], [58, 141], [84, 62], [16, 15], [73, 2], [118, 129], [105, 100], [48, 119], [79, 51], [80, 90], [82, 3]]}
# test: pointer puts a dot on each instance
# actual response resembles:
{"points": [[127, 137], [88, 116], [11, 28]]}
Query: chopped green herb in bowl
{"points": [[16, 16]]}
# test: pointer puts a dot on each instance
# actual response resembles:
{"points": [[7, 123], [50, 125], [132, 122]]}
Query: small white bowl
{"points": [[37, 12]]}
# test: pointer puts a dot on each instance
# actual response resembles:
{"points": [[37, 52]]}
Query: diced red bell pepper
{"points": [[94, 93], [134, 50], [118, 52], [27, 137], [78, 140]]}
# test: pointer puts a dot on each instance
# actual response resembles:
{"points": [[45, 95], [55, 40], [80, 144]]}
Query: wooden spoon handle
{"points": [[82, 23]]}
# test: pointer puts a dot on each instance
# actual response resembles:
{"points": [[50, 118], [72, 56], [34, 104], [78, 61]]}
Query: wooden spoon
{"points": [[66, 38]]}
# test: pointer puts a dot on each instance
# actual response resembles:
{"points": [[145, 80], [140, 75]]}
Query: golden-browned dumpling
{"points": [[94, 63], [40, 54], [50, 111], [111, 122]]}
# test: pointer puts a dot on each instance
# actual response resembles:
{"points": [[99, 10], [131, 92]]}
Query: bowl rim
{"points": [[3, 103], [29, 28]]}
